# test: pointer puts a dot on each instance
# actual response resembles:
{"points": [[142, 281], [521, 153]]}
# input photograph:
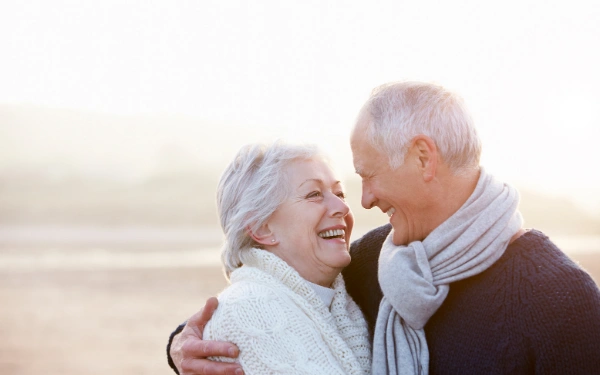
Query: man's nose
{"points": [[367, 199]]}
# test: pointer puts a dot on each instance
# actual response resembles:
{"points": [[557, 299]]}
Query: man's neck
{"points": [[451, 193], [454, 192]]}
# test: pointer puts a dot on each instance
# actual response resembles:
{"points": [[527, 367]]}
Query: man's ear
{"points": [[262, 235], [426, 156]]}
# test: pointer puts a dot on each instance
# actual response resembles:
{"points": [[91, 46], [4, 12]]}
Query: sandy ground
{"points": [[106, 321], [96, 321]]}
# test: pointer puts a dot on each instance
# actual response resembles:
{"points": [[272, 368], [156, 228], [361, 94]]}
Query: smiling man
{"points": [[454, 284]]}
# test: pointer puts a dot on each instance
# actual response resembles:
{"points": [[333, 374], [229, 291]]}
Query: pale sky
{"points": [[528, 70]]}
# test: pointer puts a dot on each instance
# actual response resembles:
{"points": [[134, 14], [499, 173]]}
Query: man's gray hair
{"points": [[252, 187], [400, 111]]}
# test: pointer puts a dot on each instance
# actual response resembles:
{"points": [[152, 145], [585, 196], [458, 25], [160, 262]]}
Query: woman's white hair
{"points": [[400, 111], [250, 190]]}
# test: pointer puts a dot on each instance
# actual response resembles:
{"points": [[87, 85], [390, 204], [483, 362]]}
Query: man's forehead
{"points": [[358, 140], [361, 157]]}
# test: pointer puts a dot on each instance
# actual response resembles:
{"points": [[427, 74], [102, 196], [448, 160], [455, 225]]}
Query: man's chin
{"points": [[398, 238]]}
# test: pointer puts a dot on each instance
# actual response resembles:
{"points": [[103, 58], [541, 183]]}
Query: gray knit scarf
{"points": [[414, 278]]}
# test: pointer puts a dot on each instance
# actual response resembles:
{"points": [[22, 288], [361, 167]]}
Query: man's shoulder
{"points": [[547, 268], [534, 248], [532, 272]]}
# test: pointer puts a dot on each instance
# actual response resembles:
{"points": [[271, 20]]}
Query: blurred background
{"points": [[117, 118]]}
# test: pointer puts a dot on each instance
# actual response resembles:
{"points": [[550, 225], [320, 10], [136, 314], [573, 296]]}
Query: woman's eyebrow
{"points": [[319, 181]]}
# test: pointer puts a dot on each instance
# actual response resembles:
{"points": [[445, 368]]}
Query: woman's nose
{"points": [[339, 207]]}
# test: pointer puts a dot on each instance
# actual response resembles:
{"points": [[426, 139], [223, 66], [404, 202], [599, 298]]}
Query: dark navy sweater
{"points": [[534, 311]]}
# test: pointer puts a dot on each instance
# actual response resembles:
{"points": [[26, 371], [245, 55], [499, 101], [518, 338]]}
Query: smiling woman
{"points": [[311, 229], [287, 229]]}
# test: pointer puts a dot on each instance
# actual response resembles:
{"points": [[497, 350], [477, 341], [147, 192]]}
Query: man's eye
{"points": [[341, 195]]}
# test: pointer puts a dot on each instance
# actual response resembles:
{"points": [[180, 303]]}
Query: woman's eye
{"points": [[314, 194], [341, 195]]}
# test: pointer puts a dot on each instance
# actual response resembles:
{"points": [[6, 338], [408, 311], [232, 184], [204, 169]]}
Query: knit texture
{"points": [[534, 311], [282, 327]]}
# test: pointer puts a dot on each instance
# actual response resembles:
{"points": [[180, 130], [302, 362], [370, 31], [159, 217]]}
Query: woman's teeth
{"points": [[332, 233], [391, 211]]}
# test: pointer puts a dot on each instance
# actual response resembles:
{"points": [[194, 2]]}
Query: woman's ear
{"points": [[262, 235]]}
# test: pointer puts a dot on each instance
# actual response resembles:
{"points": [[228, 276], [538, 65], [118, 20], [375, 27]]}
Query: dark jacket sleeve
{"points": [[561, 314], [565, 318], [169, 359]]}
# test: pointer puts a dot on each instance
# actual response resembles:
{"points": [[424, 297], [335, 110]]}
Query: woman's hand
{"points": [[189, 352]]}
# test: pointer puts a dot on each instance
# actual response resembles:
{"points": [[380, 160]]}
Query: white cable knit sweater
{"points": [[282, 327]]}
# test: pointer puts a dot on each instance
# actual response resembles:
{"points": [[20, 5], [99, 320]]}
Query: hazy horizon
{"points": [[64, 144], [73, 167]]}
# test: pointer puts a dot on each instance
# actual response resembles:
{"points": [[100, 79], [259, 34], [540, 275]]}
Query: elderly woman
{"points": [[287, 230]]}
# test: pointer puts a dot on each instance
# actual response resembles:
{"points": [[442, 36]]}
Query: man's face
{"points": [[397, 192]]}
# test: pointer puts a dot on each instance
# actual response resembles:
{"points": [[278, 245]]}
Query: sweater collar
{"points": [[280, 270], [325, 294]]}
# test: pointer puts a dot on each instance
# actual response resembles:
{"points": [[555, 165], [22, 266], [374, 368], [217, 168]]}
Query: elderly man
{"points": [[454, 285]]}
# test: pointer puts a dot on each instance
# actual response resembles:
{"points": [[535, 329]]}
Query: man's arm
{"points": [[187, 352], [568, 325]]}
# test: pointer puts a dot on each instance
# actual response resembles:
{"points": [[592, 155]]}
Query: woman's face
{"points": [[312, 227]]}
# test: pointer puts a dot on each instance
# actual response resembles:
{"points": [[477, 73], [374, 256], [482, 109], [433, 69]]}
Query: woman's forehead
{"points": [[312, 171]]}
